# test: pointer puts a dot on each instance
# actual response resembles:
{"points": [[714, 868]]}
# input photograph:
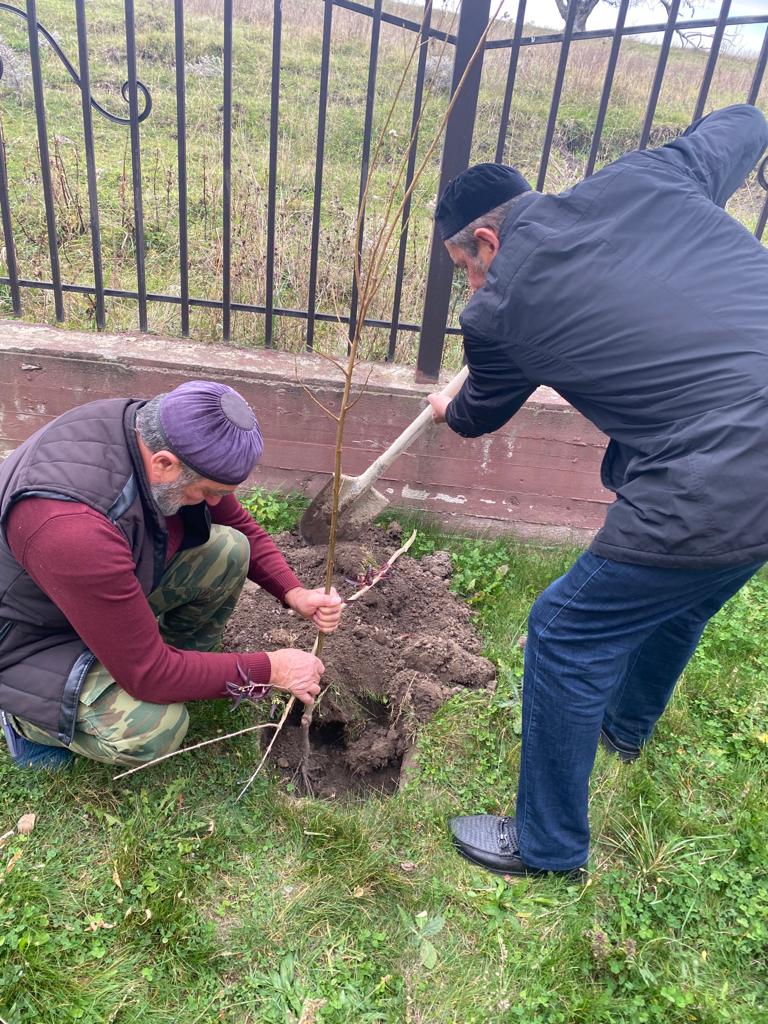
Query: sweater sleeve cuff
{"points": [[257, 667]]}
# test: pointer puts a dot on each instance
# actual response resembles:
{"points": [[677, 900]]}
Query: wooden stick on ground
{"points": [[185, 750]]}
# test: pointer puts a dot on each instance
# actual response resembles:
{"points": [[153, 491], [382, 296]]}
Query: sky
{"points": [[748, 40]]}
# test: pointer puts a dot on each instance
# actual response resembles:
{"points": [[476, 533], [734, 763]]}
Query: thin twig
{"points": [[373, 162], [316, 650], [186, 750], [412, 141], [317, 401], [376, 579], [331, 359], [363, 387], [280, 725], [384, 569], [387, 235]]}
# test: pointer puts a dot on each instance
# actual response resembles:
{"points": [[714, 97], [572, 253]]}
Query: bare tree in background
{"points": [[585, 7], [583, 10]]}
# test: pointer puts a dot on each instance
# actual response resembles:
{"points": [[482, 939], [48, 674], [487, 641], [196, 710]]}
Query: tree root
{"points": [[303, 776]]}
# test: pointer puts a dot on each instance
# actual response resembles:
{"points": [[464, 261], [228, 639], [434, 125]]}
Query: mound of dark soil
{"points": [[401, 651]]}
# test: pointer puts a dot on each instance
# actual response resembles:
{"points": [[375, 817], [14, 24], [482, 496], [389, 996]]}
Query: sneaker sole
{"points": [[574, 874]]}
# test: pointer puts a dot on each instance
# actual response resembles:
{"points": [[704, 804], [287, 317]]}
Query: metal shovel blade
{"points": [[357, 507]]}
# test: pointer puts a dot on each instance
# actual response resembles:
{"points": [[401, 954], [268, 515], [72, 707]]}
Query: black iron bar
{"points": [[10, 249], [509, 88], [181, 151], [418, 96], [757, 79], [556, 94], [714, 52], [322, 113], [629, 30], [610, 71], [393, 19], [762, 177], [659, 76], [226, 159], [138, 202], [457, 148], [762, 221], [274, 111], [370, 97], [90, 161], [244, 307], [45, 159]]}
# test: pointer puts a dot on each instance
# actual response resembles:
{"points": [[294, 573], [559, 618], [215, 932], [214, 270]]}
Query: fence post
{"points": [[456, 152]]}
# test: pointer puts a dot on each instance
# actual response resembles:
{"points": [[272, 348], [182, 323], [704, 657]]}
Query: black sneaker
{"points": [[28, 754], [490, 842], [624, 751]]}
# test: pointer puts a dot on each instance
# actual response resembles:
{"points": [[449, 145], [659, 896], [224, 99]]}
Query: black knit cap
{"points": [[473, 193]]}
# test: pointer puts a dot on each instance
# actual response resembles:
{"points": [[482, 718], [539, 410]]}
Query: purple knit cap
{"points": [[212, 429]]}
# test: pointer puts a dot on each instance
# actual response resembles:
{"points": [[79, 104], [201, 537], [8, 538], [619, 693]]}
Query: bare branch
{"points": [[186, 750], [268, 751], [373, 163], [383, 570], [331, 359], [326, 410], [364, 385]]}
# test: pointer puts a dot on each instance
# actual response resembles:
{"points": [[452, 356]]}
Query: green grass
{"points": [[296, 154], [158, 899]]}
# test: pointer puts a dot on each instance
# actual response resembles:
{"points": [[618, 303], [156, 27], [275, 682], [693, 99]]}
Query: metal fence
{"points": [[456, 151]]}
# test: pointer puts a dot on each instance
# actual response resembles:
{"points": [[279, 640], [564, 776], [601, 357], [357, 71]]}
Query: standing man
{"points": [[638, 299], [123, 550]]}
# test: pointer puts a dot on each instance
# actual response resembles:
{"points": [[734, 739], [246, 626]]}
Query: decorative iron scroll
{"points": [[143, 114], [762, 174]]}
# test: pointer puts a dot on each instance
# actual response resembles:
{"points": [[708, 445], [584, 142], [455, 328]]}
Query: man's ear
{"points": [[487, 239], [164, 467]]}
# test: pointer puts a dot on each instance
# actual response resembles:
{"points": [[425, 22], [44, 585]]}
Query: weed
{"points": [[274, 512]]}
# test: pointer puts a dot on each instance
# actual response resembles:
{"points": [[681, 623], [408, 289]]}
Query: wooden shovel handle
{"points": [[422, 423]]}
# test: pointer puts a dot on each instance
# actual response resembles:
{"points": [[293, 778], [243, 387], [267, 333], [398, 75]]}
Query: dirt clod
{"points": [[26, 824], [402, 650]]}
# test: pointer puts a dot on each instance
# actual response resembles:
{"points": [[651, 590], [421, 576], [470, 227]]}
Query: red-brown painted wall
{"points": [[538, 476]]}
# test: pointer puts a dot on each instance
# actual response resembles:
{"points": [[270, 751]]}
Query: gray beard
{"points": [[169, 497]]}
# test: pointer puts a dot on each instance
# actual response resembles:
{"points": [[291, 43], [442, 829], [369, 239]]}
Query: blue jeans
{"points": [[606, 644]]}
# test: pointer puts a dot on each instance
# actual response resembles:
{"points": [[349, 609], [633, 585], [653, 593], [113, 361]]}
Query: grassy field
{"points": [[298, 125], [158, 899]]}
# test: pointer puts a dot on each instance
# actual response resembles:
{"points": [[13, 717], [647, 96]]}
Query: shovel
{"points": [[359, 503]]}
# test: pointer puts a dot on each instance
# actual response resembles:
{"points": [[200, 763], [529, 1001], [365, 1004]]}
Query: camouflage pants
{"points": [[195, 599]]}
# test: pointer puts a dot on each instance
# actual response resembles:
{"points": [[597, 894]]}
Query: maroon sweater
{"points": [[84, 564]]}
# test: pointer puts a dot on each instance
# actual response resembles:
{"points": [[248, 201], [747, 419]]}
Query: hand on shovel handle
{"points": [[439, 402]]}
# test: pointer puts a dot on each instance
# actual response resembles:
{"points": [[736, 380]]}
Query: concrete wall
{"points": [[538, 476]]}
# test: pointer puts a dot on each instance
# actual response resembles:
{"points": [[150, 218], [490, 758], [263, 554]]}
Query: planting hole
{"points": [[401, 652]]}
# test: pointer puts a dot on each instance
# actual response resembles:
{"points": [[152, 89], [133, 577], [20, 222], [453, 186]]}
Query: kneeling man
{"points": [[123, 550]]}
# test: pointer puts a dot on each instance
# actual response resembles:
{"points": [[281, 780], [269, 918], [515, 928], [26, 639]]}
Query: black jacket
{"points": [[645, 305]]}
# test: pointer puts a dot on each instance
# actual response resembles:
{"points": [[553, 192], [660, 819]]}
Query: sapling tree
{"points": [[370, 272]]}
